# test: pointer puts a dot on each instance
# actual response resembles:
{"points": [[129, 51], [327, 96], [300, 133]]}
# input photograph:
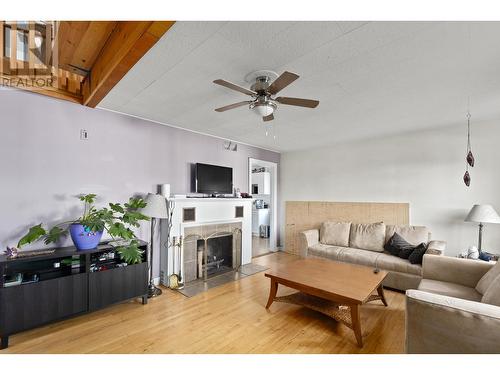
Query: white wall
{"points": [[423, 168], [44, 164]]}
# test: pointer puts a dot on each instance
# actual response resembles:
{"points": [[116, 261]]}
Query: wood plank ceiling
{"points": [[92, 56]]}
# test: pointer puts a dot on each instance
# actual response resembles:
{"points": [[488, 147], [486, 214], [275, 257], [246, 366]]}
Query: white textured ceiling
{"points": [[372, 78]]}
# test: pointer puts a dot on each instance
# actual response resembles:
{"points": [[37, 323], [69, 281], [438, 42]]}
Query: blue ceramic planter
{"points": [[83, 238]]}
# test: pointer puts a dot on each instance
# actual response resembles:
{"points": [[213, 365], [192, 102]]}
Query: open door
{"points": [[262, 186]]}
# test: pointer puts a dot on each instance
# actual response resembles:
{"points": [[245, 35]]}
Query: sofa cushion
{"points": [[389, 262], [367, 236], [336, 234], [492, 295], [325, 251], [488, 278], [449, 289], [412, 234], [359, 256]]}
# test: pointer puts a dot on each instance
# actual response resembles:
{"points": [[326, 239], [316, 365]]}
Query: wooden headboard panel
{"points": [[306, 215]]}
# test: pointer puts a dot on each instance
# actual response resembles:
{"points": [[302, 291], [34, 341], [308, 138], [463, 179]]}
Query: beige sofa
{"points": [[455, 309], [364, 244]]}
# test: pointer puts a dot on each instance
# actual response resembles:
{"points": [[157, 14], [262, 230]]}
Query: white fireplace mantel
{"points": [[208, 211]]}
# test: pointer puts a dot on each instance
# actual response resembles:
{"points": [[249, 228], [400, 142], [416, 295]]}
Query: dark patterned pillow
{"points": [[406, 252], [417, 255], [397, 244]]}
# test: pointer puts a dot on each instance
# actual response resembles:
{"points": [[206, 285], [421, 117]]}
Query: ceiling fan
{"points": [[262, 91]]}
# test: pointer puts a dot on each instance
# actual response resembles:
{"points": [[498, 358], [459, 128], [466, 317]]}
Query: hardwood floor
{"points": [[260, 246], [227, 319]]}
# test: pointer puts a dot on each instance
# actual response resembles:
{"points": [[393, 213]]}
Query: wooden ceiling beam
{"points": [[128, 42]]}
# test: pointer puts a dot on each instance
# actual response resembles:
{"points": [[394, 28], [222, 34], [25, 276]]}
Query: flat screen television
{"points": [[213, 179]]}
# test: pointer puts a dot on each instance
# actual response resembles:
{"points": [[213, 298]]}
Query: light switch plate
{"points": [[84, 134]]}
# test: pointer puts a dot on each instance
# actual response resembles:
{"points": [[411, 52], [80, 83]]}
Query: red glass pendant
{"points": [[467, 178], [470, 159]]}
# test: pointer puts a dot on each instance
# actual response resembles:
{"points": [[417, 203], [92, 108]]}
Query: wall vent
{"points": [[238, 211], [188, 214]]}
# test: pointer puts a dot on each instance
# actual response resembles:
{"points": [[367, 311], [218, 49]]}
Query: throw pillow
{"points": [[336, 234], [417, 254], [406, 252], [397, 243], [492, 295], [488, 278]]}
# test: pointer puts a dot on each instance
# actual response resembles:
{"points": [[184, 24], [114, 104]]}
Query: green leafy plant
{"points": [[118, 220]]}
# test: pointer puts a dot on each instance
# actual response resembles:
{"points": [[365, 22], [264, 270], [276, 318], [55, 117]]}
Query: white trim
{"points": [[188, 130], [273, 240]]}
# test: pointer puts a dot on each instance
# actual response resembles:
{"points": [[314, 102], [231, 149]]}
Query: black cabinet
{"points": [[66, 289], [112, 286], [27, 306]]}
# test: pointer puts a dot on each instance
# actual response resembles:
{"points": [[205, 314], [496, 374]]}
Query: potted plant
{"points": [[86, 231]]}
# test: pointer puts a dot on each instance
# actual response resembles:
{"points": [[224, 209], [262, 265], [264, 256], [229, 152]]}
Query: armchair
{"points": [[446, 315]]}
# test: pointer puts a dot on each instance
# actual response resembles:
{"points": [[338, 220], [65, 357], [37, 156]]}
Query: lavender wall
{"points": [[44, 164]]}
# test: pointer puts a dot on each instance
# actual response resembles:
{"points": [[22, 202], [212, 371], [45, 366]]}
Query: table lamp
{"points": [[482, 213], [156, 208]]}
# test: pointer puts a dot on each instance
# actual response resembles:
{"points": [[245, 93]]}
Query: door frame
{"points": [[273, 216]]}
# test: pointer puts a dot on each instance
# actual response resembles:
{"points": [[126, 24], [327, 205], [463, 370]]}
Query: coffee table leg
{"points": [[272, 293], [380, 291], [356, 324]]}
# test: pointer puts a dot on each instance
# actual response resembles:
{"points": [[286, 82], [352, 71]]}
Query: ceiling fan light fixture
{"points": [[263, 109]]}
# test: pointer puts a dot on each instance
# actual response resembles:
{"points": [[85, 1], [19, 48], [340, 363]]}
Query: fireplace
{"points": [[219, 255], [211, 250]]}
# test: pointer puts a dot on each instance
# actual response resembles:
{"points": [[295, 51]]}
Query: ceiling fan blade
{"points": [[234, 86], [298, 102], [231, 106], [268, 118], [281, 82]]}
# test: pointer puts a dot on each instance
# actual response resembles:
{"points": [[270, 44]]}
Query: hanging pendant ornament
{"points": [[467, 178], [470, 157]]}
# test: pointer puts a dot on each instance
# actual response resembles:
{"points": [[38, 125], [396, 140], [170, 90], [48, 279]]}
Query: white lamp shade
{"points": [[483, 213], [156, 206]]}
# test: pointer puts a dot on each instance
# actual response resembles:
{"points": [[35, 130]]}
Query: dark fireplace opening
{"points": [[219, 255]]}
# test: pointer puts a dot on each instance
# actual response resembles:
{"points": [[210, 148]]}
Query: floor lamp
{"points": [[482, 213], [156, 208]]}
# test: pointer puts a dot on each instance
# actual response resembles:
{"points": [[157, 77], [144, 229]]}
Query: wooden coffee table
{"points": [[332, 288]]}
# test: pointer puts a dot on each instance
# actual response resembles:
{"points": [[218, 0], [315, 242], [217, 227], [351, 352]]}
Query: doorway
{"points": [[263, 187]]}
